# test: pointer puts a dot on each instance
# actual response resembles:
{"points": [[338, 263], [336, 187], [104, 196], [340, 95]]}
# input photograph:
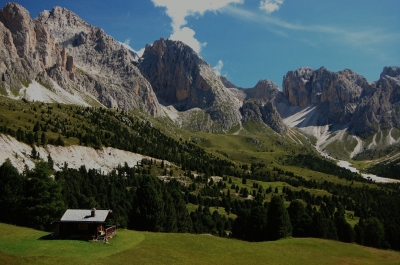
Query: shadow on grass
{"points": [[51, 237], [47, 237]]}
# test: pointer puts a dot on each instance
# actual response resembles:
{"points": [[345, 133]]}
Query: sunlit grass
{"points": [[25, 246]]}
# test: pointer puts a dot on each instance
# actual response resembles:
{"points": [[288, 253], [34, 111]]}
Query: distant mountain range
{"points": [[58, 57]]}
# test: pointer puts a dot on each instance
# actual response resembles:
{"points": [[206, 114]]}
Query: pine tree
{"points": [[278, 225], [12, 187], [374, 233], [148, 208], [43, 201], [44, 139]]}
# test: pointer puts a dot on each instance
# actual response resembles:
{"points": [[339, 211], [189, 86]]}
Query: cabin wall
{"points": [[79, 230]]}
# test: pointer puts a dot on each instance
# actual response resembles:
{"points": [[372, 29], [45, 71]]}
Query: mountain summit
{"points": [[63, 58], [181, 78]]}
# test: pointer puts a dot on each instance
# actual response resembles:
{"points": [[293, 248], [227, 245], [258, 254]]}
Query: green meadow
{"points": [[27, 246]]}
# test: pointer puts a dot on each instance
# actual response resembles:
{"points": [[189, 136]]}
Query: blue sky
{"points": [[249, 40]]}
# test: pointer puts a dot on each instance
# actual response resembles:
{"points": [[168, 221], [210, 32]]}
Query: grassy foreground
{"points": [[26, 246]]}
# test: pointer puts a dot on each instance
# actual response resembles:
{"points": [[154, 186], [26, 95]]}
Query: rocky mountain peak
{"points": [[91, 57], [392, 71], [180, 77], [32, 40], [226, 82], [336, 94], [64, 18], [15, 17], [264, 89]]}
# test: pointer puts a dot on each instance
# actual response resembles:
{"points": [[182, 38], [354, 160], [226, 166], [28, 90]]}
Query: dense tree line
{"points": [[386, 169], [31, 199], [139, 201], [377, 207], [320, 164], [98, 127], [143, 202]]}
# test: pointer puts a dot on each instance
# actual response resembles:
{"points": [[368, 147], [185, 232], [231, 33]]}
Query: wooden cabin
{"points": [[85, 224]]}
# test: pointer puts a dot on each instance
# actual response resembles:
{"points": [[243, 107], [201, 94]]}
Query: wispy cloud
{"points": [[186, 35], [361, 38], [218, 68], [126, 44], [178, 11], [270, 6]]}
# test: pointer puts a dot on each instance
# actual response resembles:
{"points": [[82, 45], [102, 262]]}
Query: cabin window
{"points": [[83, 227]]}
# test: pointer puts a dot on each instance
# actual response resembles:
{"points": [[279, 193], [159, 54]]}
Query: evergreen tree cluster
{"points": [[32, 199], [144, 202], [98, 127], [319, 164], [389, 169]]}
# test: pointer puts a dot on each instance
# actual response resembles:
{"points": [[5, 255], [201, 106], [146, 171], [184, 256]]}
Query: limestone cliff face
{"points": [[257, 103], [379, 106], [266, 113], [336, 93], [265, 90], [180, 77], [27, 48], [346, 98], [226, 82], [105, 68], [32, 40], [60, 48]]}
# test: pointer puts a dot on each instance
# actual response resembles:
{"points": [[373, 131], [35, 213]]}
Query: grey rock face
{"points": [[345, 97], [226, 82], [26, 50], [60, 46], [180, 77], [379, 107], [105, 68], [266, 113], [265, 90], [336, 93], [258, 105]]}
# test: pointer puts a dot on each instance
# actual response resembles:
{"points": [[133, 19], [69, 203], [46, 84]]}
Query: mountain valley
{"points": [[172, 146]]}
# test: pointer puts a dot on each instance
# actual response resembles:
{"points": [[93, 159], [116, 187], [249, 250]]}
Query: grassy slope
{"points": [[25, 246]]}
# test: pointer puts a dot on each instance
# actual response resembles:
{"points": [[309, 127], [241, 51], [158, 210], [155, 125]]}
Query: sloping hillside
{"points": [[27, 246]]}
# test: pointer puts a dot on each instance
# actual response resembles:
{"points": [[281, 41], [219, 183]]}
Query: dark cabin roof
{"points": [[83, 215]]}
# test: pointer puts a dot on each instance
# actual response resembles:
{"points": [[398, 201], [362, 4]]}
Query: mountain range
{"points": [[58, 57]]}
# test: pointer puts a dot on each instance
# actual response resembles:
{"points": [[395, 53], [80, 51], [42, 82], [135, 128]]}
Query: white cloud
{"points": [[218, 68], [178, 11], [358, 38], [127, 46], [270, 6], [186, 35], [140, 52]]}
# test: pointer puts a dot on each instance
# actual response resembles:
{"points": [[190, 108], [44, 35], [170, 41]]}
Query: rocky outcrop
{"points": [[258, 105], [226, 82], [266, 113], [337, 94], [60, 48], [264, 90], [32, 40], [272, 118], [378, 108], [27, 48], [180, 77], [347, 99], [104, 68]]}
